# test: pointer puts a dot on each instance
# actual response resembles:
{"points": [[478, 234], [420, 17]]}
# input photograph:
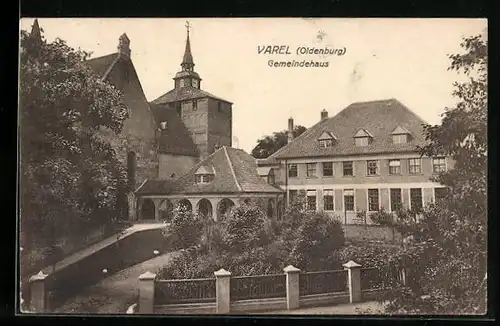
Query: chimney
{"points": [[290, 129], [324, 114], [124, 45]]}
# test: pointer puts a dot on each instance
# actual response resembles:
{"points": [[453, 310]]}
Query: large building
{"points": [[361, 160], [177, 148]]}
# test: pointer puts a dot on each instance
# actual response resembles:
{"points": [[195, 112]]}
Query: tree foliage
{"points": [[70, 177], [269, 144], [445, 251]]}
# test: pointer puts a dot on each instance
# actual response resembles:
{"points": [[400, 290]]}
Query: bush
{"points": [[317, 236], [382, 218], [185, 230]]}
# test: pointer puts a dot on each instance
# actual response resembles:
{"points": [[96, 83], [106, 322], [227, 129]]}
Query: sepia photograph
{"points": [[253, 166]]}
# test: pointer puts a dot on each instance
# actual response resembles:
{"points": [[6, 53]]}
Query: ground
{"points": [[371, 307], [113, 294]]}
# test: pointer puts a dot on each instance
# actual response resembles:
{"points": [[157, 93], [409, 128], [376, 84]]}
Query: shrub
{"points": [[185, 230], [382, 218], [317, 236]]}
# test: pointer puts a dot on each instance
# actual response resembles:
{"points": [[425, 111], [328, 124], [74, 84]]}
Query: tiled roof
{"points": [[176, 138], [102, 65], [184, 93], [235, 172], [378, 118]]}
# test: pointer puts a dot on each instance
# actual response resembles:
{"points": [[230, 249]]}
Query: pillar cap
{"points": [[147, 276], [351, 264], [291, 269], [222, 272], [38, 277]]}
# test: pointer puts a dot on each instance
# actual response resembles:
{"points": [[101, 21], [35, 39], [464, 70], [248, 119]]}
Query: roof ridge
{"points": [[142, 184], [111, 66], [232, 169]]}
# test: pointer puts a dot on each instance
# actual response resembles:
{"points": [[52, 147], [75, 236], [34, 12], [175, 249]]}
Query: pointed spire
{"points": [[35, 31], [187, 60]]}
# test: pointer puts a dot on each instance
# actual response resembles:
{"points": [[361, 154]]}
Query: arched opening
{"points": [[205, 208], [280, 209], [224, 207], [270, 208], [186, 204], [148, 210], [131, 169], [166, 210]]}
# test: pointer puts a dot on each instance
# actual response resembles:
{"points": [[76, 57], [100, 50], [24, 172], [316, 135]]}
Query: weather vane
{"points": [[187, 26]]}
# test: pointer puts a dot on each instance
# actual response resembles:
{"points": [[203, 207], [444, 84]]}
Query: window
{"points": [[414, 166], [293, 195], [179, 108], [271, 179], [292, 171], [219, 106], [349, 200], [399, 139], [371, 167], [440, 194], [394, 167], [204, 178], [328, 169], [328, 199], [373, 203], [311, 169], [347, 168], [438, 165], [362, 141], [396, 201], [195, 105], [326, 143], [311, 200], [416, 199]]}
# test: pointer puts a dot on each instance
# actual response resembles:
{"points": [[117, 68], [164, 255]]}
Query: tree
{"points": [[270, 144], [71, 179], [446, 257]]}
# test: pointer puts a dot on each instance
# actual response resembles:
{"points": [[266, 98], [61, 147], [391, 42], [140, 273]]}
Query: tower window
{"points": [[179, 108], [219, 107], [195, 104]]}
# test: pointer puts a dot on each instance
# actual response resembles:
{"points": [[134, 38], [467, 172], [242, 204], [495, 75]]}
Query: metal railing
{"points": [[376, 278], [184, 291], [323, 282], [258, 287]]}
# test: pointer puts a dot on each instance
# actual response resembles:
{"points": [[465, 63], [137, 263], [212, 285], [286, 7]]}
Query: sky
{"points": [[406, 59]]}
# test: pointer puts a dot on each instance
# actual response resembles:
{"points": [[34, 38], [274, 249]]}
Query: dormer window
{"points": [[163, 125], [400, 135], [326, 140], [363, 138], [205, 174]]}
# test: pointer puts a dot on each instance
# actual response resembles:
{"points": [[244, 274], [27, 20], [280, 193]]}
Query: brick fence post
{"points": [[222, 291], [146, 293], [292, 287], [353, 280], [38, 301]]}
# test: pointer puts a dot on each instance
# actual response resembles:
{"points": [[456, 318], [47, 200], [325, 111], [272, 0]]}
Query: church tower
{"points": [[206, 117]]}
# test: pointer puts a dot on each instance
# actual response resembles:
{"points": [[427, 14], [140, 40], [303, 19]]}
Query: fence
{"points": [[224, 294]]}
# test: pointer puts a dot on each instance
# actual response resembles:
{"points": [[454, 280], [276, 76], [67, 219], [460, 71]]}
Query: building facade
{"points": [[364, 159]]}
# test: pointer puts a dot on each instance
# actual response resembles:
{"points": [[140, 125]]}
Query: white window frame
{"points": [[323, 170], [445, 165], [315, 200], [420, 165], [399, 166], [296, 169], [315, 175], [434, 193], [400, 137], [333, 199], [378, 167], [359, 141], [390, 198], [421, 194], [326, 143], [352, 168], [353, 197], [368, 200]]}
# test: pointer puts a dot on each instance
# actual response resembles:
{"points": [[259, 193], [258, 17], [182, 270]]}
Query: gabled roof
{"points": [[327, 135], [400, 131], [363, 133], [379, 117], [184, 93], [264, 171], [235, 172], [176, 138]]}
